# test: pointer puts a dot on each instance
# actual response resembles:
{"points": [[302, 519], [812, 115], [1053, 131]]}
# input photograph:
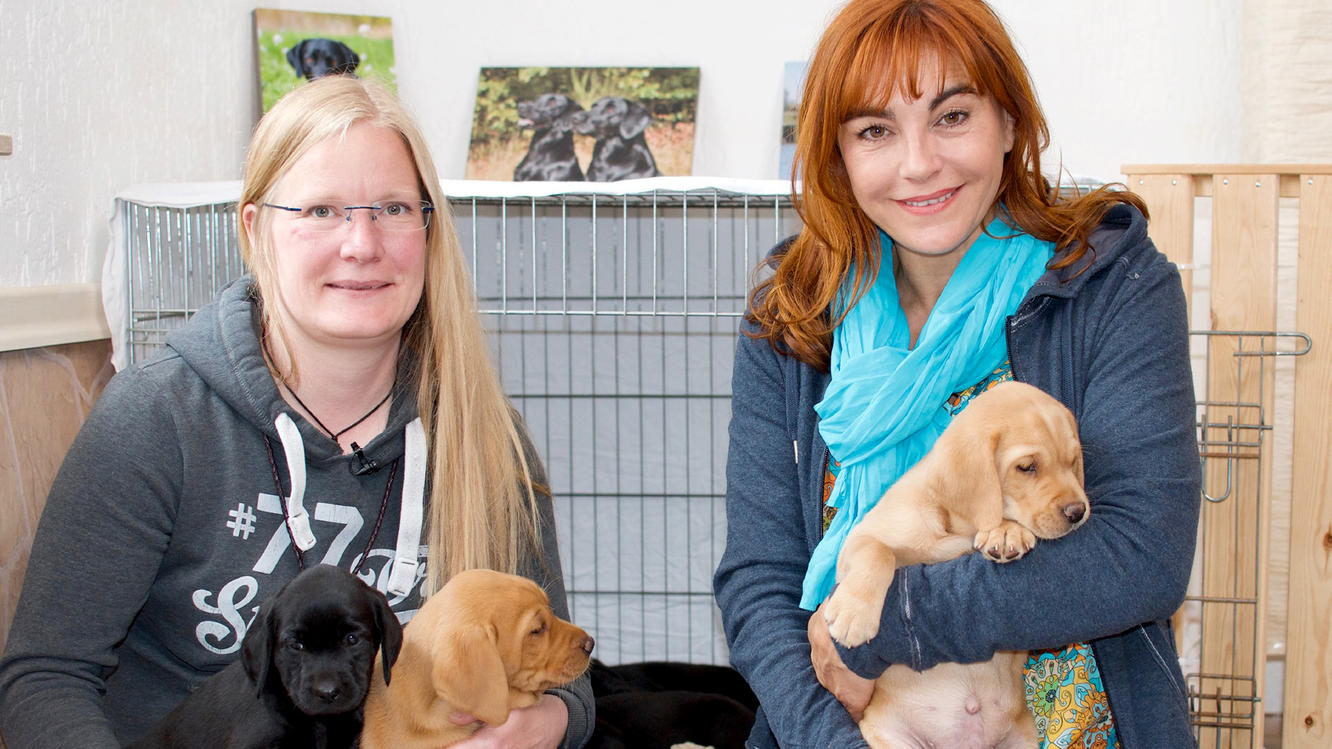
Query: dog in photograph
{"points": [[303, 675], [550, 156], [620, 151], [485, 644], [663, 704], [1006, 471], [316, 57]]}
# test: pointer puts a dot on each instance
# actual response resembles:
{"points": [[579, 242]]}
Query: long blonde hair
{"points": [[483, 510]]}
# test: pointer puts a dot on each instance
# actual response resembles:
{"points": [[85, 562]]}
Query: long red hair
{"points": [[870, 49]]}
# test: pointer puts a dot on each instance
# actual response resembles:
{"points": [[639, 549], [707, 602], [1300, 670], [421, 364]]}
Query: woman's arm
{"points": [[574, 718], [1131, 388], [103, 531], [758, 580]]}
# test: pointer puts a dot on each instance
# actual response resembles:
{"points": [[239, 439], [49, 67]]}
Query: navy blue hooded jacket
{"points": [[1109, 338]]}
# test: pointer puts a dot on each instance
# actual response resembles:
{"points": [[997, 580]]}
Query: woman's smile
{"points": [[928, 204]]}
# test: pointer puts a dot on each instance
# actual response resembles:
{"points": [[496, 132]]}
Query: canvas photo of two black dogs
{"points": [[583, 124]]}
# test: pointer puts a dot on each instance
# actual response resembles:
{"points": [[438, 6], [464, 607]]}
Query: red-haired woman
{"points": [[935, 260]]}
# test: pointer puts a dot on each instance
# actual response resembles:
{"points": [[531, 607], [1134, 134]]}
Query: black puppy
{"points": [[316, 56], [620, 151], [305, 668], [658, 704], [550, 156]]}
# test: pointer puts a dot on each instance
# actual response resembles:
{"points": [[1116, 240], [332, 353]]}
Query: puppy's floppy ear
{"points": [[469, 674], [350, 60], [968, 460], [389, 632], [568, 117], [296, 57], [635, 120], [257, 648]]}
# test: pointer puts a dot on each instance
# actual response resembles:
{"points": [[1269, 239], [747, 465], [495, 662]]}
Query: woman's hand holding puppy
{"points": [[850, 689], [540, 726]]}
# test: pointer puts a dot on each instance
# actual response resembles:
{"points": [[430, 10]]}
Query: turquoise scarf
{"points": [[885, 404]]}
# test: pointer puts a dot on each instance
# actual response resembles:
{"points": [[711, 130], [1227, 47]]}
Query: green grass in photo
{"points": [[278, 77]]}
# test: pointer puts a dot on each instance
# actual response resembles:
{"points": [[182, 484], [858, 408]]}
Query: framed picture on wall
{"points": [[583, 124], [293, 47], [793, 82]]}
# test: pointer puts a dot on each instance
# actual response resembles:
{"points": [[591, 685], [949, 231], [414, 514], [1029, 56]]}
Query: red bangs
{"points": [[891, 52]]}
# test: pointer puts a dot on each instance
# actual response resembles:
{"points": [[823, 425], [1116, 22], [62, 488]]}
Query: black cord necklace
{"points": [[286, 518], [353, 425]]}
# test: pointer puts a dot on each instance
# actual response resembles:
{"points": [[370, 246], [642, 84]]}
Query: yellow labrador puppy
{"points": [[1006, 471], [485, 644]]}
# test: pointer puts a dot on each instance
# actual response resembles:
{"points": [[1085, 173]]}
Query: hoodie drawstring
{"points": [[411, 512], [405, 565], [298, 520]]}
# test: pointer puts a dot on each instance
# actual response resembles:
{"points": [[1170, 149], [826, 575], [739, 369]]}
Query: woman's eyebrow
{"points": [[945, 95], [948, 93], [867, 112]]}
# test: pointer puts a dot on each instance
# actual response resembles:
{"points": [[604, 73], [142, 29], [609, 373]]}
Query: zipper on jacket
{"points": [[1161, 661], [1008, 341]]}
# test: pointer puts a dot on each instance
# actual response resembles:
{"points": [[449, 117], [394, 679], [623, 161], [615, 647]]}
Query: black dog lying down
{"points": [[304, 671], [657, 704]]}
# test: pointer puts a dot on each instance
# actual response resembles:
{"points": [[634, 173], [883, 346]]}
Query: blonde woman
{"points": [[336, 407]]}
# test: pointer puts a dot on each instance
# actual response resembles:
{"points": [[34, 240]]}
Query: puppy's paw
{"points": [[852, 612], [1005, 542]]}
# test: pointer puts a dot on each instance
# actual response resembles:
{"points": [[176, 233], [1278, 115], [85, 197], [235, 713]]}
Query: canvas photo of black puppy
{"points": [[303, 674], [317, 57], [577, 124], [293, 47]]}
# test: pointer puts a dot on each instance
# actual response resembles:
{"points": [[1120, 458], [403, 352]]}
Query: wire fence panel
{"points": [[613, 320]]}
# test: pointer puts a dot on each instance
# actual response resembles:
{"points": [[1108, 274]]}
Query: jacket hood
{"points": [[221, 345], [1123, 228]]}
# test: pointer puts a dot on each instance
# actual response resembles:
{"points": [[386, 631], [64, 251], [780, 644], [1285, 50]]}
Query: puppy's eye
{"points": [[351, 639], [296, 645], [540, 630], [1028, 467]]}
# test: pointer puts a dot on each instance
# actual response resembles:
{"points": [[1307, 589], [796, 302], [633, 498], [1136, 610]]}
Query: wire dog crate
{"points": [[614, 320], [1221, 624], [613, 317]]}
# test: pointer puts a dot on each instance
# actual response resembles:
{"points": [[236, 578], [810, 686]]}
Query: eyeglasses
{"points": [[393, 215]]}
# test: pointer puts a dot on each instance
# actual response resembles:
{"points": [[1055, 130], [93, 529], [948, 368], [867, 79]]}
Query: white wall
{"points": [[102, 95]]}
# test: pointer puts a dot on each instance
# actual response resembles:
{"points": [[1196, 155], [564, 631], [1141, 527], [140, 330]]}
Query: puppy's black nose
{"points": [[588, 644], [328, 692], [1075, 511]]}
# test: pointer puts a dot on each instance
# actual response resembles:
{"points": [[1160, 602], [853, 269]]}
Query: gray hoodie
{"points": [[164, 531]]}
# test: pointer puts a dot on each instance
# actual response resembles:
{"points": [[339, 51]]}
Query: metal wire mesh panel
{"points": [[177, 260], [614, 321], [1222, 622]]}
